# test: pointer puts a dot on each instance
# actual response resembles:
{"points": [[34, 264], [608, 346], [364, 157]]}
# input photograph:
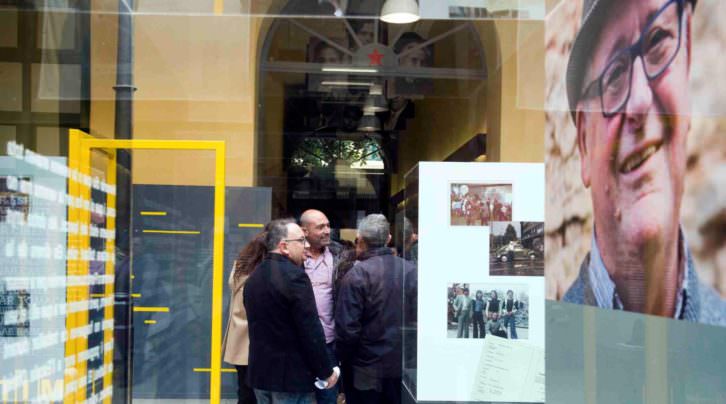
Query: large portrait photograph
{"points": [[413, 52], [327, 53], [634, 157]]}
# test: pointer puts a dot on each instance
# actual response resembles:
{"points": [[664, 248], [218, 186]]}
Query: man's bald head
{"points": [[317, 229], [310, 216]]}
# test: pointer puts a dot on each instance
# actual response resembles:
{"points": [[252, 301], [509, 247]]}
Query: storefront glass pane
{"points": [[145, 144]]}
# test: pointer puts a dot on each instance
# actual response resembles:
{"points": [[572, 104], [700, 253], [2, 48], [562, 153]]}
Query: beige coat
{"points": [[236, 344]]}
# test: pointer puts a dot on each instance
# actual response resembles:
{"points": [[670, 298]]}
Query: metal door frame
{"points": [[80, 146]]}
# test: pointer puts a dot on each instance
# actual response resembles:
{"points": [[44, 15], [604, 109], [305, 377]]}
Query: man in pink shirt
{"points": [[320, 266]]}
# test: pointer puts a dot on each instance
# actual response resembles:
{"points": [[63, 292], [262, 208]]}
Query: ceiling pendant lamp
{"points": [[375, 101], [400, 11], [369, 122]]}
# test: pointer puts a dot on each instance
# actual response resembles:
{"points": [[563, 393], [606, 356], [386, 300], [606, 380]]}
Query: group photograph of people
{"points": [[481, 310], [317, 320], [480, 204]]}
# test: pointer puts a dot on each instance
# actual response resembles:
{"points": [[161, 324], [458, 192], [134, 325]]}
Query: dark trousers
{"points": [[510, 321], [479, 330], [245, 394], [390, 393], [328, 396]]}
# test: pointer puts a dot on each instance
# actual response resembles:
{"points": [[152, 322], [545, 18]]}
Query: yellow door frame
{"points": [[80, 148]]}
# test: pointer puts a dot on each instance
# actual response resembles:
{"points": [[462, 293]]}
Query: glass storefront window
{"points": [[145, 144], [319, 105]]}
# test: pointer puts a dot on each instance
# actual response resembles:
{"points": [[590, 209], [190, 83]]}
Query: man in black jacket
{"points": [[368, 317], [287, 346]]}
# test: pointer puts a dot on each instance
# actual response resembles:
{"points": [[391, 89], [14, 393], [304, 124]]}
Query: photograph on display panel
{"points": [[11, 199], [480, 310], [516, 249], [14, 312], [634, 157], [478, 204]]}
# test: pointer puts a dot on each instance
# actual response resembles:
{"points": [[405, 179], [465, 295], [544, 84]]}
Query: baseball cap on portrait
{"points": [[594, 14]]}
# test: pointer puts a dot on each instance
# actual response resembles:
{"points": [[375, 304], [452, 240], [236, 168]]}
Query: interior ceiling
{"points": [[455, 45]]}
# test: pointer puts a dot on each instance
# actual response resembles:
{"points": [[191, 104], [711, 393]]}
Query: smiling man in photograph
{"points": [[628, 90]]}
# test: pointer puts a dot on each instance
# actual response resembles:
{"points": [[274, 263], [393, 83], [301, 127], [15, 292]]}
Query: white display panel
{"points": [[448, 369]]}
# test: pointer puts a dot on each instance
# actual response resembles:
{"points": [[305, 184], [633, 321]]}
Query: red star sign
{"points": [[375, 58]]}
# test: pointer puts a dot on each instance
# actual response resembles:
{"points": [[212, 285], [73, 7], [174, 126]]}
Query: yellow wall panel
{"points": [[520, 138], [194, 78]]}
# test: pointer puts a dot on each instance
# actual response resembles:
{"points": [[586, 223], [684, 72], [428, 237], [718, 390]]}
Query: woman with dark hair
{"points": [[236, 339], [493, 306], [346, 260]]}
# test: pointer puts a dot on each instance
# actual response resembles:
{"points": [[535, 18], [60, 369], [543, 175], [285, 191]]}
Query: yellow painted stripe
{"points": [[98, 295], [144, 144], [251, 225], [110, 269], [144, 309], [149, 321], [224, 370], [218, 7], [136, 295], [172, 232], [219, 147], [152, 213], [215, 354], [80, 162]]}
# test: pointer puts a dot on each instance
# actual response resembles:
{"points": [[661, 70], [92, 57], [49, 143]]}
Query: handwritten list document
{"points": [[510, 371]]}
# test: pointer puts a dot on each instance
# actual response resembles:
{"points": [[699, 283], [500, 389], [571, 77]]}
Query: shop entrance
{"points": [[349, 105]]}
